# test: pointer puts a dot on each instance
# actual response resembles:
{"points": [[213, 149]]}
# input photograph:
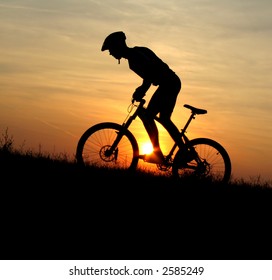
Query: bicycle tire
{"points": [[95, 141], [215, 161]]}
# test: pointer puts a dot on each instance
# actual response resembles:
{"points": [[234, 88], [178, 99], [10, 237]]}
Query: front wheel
{"points": [[205, 158], [108, 145]]}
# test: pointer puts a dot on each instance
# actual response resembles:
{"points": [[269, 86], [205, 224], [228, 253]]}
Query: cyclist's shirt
{"points": [[148, 66]]}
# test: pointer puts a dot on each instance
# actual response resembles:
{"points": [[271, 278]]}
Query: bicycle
{"points": [[112, 145]]}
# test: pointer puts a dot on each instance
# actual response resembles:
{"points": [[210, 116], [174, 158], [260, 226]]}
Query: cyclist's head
{"points": [[114, 40], [116, 44]]}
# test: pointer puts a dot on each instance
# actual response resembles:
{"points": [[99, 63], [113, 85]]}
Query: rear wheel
{"points": [[95, 147], [206, 159]]}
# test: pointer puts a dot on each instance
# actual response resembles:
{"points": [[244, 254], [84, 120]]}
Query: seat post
{"points": [[183, 130]]}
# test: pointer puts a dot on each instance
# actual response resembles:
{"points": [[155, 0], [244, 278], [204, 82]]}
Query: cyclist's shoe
{"points": [[155, 157]]}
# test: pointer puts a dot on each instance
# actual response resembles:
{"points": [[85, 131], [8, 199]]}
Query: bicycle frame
{"points": [[112, 143], [180, 142]]}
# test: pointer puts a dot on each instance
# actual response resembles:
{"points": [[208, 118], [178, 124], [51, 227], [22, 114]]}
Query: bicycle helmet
{"points": [[113, 39]]}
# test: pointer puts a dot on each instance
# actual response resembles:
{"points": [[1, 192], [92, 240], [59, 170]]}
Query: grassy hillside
{"points": [[53, 209], [37, 168]]}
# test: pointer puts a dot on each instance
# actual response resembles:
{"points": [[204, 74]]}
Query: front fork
{"points": [[113, 149]]}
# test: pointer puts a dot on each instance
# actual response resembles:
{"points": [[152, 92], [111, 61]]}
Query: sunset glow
{"points": [[55, 82], [147, 148]]}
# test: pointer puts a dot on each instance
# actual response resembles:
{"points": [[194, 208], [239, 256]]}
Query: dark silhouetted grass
{"points": [[37, 168], [54, 209]]}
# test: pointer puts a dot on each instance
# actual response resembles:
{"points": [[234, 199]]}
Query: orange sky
{"points": [[55, 82]]}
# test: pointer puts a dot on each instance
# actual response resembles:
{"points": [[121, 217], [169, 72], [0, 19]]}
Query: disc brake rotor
{"points": [[106, 155]]}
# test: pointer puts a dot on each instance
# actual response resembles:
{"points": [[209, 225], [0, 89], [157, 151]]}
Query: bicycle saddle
{"points": [[195, 110]]}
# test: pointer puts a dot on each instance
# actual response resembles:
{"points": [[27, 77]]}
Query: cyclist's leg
{"points": [[164, 98], [163, 101], [151, 128], [156, 156], [173, 131]]}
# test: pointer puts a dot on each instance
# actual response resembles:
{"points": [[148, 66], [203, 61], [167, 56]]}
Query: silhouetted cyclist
{"points": [[153, 71]]}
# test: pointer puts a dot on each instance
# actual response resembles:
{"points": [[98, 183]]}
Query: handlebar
{"points": [[142, 101]]}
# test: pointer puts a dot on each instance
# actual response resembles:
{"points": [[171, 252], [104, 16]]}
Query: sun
{"points": [[147, 148]]}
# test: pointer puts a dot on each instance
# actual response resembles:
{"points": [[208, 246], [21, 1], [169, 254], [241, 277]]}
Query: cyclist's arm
{"points": [[143, 88], [140, 91]]}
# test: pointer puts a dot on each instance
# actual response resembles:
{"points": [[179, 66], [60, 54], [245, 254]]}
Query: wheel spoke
{"points": [[95, 147]]}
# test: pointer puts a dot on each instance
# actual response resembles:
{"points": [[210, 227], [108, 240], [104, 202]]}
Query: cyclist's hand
{"points": [[138, 95]]}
